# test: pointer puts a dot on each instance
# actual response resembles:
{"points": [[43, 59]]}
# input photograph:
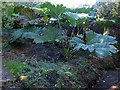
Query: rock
{"points": [[6, 79]]}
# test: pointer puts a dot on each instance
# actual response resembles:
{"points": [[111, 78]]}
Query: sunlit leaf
{"points": [[101, 45], [76, 19]]}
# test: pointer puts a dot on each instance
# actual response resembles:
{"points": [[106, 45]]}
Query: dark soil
{"points": [[111, 78], [53, 53], [45, 52]]}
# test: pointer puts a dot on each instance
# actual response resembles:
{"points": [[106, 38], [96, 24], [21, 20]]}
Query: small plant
{"points": [[56, 75], [46, 75]]}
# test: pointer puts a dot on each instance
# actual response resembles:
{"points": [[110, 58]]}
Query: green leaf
{"points": [[30, 32], [105, 22], [50, 34], [39, 39], [72, 15], [17, 34], [47, 34], [54, 11], [30, 35], [10, 10], [101, 45], [105, 51], [75, 19]]}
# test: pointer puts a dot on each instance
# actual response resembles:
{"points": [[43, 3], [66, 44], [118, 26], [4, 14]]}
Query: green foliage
{"points": [[44, 72], [7, 18], [101, 45], [67, 53], [105, 22], [56, 75], [76, 19], [50, 34], [16, 68], [52, 22], [10, 10], [25, 11], [53, 34], [54, 11], [26, 33]]}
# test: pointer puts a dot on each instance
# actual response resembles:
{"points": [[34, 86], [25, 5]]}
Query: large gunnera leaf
{"points": [[55, 11], [76, 19], [47, 34], [30, 32], [101, 45], [50, 34]]}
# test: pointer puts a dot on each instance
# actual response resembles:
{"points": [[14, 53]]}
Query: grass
{"points": [[15, 67]]}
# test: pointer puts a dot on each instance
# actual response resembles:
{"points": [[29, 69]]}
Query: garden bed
{"points": [[44, 48]]}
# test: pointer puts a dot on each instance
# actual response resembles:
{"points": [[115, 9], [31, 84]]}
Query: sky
{"points": [[73, 3]]}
